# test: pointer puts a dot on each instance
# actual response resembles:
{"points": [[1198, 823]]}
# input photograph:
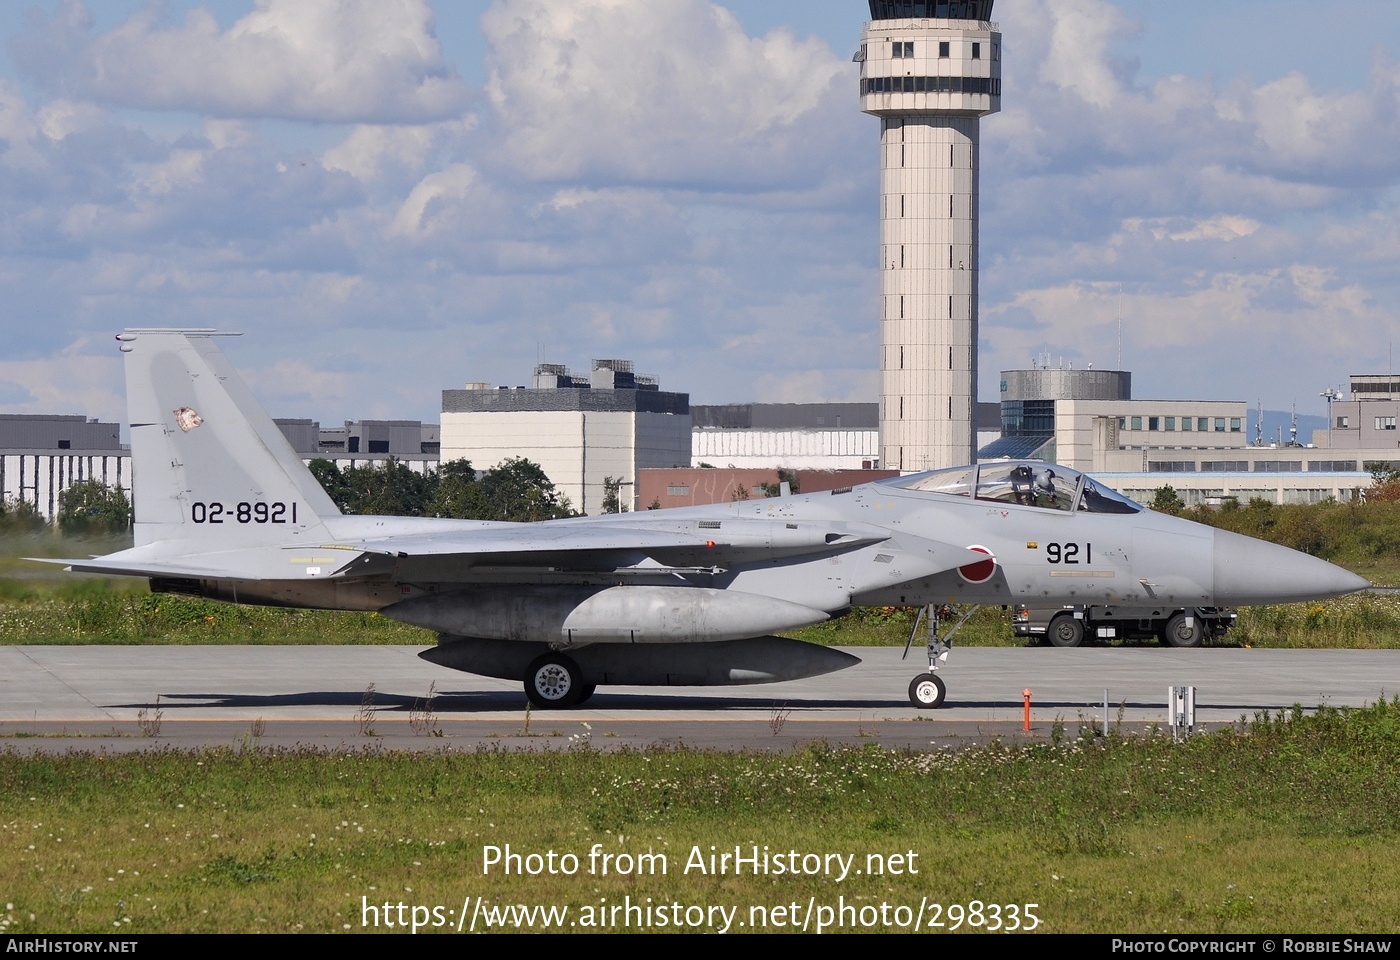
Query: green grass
{"points": [[1288, 826], [99, 612]]}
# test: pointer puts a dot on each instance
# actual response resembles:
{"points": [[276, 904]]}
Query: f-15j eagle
{"points": [[224, 508]]}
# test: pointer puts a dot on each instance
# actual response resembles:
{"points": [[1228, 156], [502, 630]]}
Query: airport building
{"points": [[930, 70], [410, 442], [1087, 419], [800, 436], [755, 436], [42, 455], [582, 431]]}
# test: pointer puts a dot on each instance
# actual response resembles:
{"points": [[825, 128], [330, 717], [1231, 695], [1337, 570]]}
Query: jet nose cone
{"points": [[1252, 571]]}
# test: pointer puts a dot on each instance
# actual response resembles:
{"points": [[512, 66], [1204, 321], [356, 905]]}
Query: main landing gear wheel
{"points": [[1065, 631], [553, 681], [927, 691], [1184, 630]]}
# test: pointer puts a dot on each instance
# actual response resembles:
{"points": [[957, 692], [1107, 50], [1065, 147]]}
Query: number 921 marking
{"points": [[243, 512], [1067, 552]]}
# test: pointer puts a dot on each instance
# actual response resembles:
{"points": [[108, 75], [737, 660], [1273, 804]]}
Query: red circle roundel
{"points": [[981, 571]]}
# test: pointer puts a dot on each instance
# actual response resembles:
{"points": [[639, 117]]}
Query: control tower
{"points": [[929, 69]]}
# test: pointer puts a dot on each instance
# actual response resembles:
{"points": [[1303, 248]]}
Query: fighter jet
{"points": [[226, 509]]}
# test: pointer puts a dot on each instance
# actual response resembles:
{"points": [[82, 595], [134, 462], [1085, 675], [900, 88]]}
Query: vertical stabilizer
{"points": [[207, 463]]}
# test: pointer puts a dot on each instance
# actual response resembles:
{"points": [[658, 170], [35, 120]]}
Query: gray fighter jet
{"points": [[224, 508]]}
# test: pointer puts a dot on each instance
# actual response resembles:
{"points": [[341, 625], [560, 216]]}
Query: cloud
{"points": [[372, 152], [322, 60], [71, 381], [436, 189], [671, 93]]}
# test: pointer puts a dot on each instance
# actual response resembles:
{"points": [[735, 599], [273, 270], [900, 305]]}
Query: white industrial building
{"points": [[929, 70], [807, 436], [580, 431], [42, 455], [1086, 419]]}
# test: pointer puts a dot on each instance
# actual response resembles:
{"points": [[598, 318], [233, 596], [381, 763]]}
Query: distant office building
{"points": [[1363, 423], [799, 436], [818, 436], [1375, 386], [580, 430], [410, 442], [42, 455], [1028, 403], [1086, 419]]}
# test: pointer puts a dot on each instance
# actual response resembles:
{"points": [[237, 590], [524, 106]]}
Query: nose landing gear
{"points": [[927, 691]]}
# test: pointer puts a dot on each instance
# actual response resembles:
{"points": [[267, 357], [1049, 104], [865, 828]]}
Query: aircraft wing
{"points": [[593, 545], [459, 552], [647, 546]]}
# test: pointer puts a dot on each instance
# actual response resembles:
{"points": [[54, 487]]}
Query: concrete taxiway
{"points": [[127, 698]]}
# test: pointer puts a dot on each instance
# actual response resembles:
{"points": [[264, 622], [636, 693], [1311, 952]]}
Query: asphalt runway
{"points": [[57, 698]]}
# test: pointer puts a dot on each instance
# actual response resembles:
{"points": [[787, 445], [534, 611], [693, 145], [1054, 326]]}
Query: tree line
{"points": [[515, 489]]}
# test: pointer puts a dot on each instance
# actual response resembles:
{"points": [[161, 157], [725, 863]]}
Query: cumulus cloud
{"points": [[436, 189], [72, 381], [1216, 219], [325, 60], [371, 151], [672, 92]]}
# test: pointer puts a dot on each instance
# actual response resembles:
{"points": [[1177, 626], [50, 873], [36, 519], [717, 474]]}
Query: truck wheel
{"points": [[1184, 630], [1065, 631]]}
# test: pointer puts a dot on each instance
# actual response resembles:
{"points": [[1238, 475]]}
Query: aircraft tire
{"points": [[553, 681], [926, 691], [1178, 634], [583, 695], [1065, 631]]}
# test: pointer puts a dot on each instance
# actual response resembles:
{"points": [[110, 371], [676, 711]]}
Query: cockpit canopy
{"points": [[1029, 483]]}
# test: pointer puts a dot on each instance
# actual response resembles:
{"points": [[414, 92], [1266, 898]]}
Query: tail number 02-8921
{"points": [[244, 512], [1068, 552]]}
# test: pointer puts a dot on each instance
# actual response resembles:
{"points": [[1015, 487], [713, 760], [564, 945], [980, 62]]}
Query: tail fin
{"points": [[207, 462]]}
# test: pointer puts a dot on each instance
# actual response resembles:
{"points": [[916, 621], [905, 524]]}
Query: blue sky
{"points": [[394, 197]]}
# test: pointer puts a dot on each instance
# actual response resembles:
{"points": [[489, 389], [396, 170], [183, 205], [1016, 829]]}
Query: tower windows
{"points": [[901, 205], [902, 51], [976, 51], [943, 50], [950, 358]]}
